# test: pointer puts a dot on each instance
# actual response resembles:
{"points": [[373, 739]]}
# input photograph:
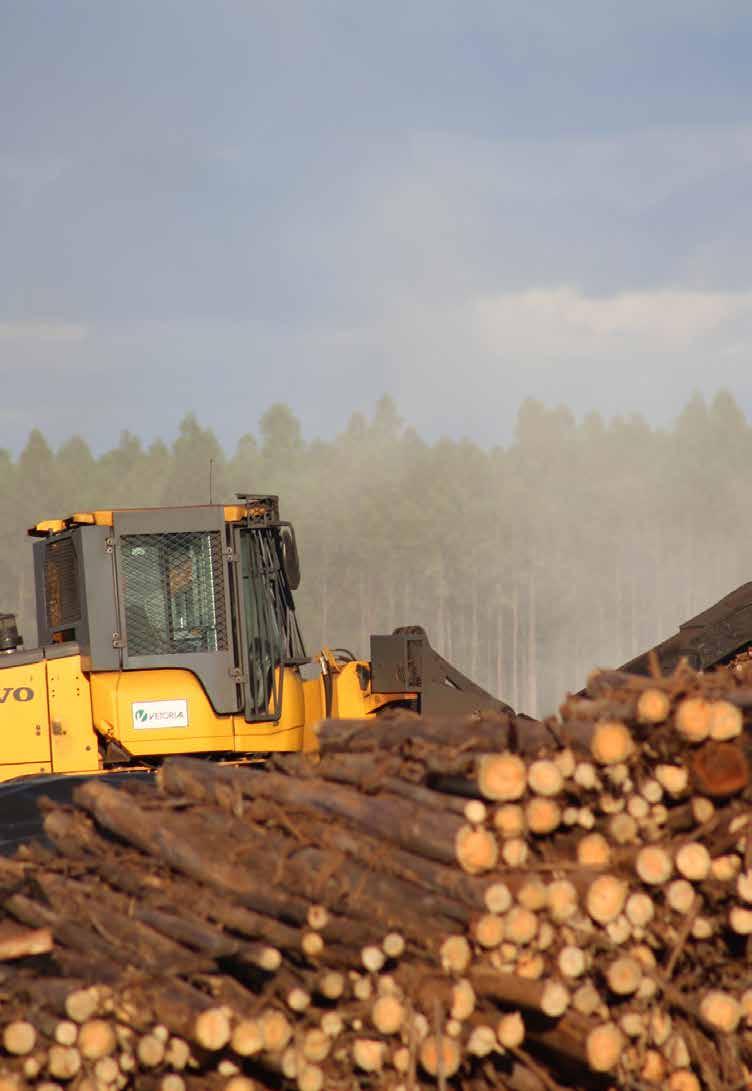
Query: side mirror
{"points": [[290, 558]]}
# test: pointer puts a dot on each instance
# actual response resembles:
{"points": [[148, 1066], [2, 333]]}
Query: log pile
{"points": [[496, 903]]}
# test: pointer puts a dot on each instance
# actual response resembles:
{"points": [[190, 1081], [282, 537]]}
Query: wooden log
{"points": [[168, 1001], [358, 890], [358, 736], [361, 771], [720, 769], [588, 709], [70, 933], [565, 1037], [693, 717], [168, 842], [612, 742], [370, 895], [604, 1044], [409, 826], [609, 683], [124, 871], [137, 943], [18, 942], [175, 868], [653, 706], [459, 890], [501, 777], [210, 941]]}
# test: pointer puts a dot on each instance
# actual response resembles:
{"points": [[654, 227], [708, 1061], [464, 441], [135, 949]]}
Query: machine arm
{"points": [[406, 661], [712, 637]]}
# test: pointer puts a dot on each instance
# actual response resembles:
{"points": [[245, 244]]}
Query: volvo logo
{"points": [[21, 693]]}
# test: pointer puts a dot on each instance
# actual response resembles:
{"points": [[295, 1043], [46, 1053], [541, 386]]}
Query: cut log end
{"points": [[726, 721], [692, 718], [520, 926], [150, 1051], [96, 1039], [721, 1011], [604, 1045], [317, 917], [594, 851], [497, 898], [555, 999], [312, 945], [373, 958], [368, 1054], [476, 849], [393, 945], [82, 1004], [463, 1000], [509, 820], [247, 1038], [606, 897], [624, 976], [693, 861], [612, 743], [63, 1062], [654, 865], [545, 778], [720, 769], [388, 1014], [543, 815], [489, 930], [653, 706], [19, 1037], [455, 954], [440, 1056], [212, 1029], [501, 777], [511, 1030], [275, 1031]]}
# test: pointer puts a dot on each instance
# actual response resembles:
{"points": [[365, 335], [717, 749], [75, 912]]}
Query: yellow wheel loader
{"points": [[173, 631]]}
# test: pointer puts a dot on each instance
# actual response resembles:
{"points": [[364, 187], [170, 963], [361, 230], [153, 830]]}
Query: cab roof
{"points": [[263, 507]]}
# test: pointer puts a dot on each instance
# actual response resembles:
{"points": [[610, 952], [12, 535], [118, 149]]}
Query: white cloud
{"points": [[43, 331], [563, 321]]}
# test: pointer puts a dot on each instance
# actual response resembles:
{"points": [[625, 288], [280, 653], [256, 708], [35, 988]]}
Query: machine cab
{"points": [[205, 589]]}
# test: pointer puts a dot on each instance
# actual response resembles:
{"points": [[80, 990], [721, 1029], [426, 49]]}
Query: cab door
{"points": [[270, 645], [173, 585], [260, 633]]}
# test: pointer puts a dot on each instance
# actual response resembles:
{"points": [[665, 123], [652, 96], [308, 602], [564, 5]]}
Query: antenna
{"points": [[211, 480]]}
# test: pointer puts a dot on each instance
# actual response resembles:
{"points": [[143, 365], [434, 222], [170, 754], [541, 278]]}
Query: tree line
{"points": [[579, 543]]}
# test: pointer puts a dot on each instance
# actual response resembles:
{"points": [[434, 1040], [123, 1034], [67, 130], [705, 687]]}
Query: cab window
{"points": [[174, 593]]}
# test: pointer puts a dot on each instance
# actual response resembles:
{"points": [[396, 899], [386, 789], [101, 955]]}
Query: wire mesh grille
{"points": [[61, 584], [174, 593]]}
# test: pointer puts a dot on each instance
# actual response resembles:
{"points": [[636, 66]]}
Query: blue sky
{"points": [[210, 206]]}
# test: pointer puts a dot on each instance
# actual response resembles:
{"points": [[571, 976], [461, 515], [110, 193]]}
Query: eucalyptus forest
{"points": [[577, 544]]}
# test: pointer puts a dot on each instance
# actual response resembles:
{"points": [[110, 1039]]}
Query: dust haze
{"points": [[580, 544], [530, 228], [221, 207]]}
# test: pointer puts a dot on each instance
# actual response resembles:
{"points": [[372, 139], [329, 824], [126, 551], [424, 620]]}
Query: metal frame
{"points": [[97, 619], [405, 661], [217, 670], [101, 630], [289, 636]]}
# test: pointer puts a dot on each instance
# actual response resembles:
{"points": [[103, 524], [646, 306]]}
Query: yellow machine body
{"points": [[46, 719], [54, 717], [173, 631], [117, 696]]}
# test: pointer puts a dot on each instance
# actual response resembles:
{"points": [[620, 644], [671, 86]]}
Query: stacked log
{"points": [[492, 903]]}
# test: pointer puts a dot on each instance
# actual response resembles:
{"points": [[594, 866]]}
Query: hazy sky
{"points": [[211, 205]]}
